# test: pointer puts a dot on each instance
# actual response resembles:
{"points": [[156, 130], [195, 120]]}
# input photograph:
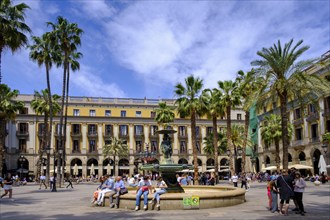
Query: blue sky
{"points": [[142, 49]]}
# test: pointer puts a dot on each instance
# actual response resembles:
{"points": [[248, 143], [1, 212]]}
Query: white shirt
{"points": [[234, 178], [42, 177]]}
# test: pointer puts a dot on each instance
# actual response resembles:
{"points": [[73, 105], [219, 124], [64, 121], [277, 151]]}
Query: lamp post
{"points": [[325, 149], [21, 160], [60, 151], [237, 152], [147, 156]]}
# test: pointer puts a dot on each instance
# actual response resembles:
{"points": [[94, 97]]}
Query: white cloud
{"points": [[87, 82], [97, 9]]}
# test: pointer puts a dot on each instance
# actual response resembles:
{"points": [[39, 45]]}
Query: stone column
{"points": [[175, 140], [203, 133], [84, 138], [146, 132], [100, 138], [189, 143], [131, 138]]}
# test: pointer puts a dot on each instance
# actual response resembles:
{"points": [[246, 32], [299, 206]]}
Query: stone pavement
{"points": [[30, 203]]}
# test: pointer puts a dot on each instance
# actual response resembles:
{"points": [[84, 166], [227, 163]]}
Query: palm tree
{"points": [[43, 52], [164, 114], [326, 137], [41, 105], [230, 99], [271, 132], [286, 79], [214, 109], [8, 109], [66, 39], [249, 86], [190, 104], [209, 144], [117, 147], [12, 27]]}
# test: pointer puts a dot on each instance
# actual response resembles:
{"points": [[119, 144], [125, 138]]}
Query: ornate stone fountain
{"points": [[167, 167]]}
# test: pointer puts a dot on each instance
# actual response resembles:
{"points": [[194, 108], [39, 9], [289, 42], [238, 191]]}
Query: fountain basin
{"points": [[209, 197]]}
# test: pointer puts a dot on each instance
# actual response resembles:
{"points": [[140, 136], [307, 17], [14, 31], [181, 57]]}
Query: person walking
{"points": [[299, 188], [144, 187], [159, 190], [70, 182], [234, 178], [42, 181], [243, 180], [8, 186]]}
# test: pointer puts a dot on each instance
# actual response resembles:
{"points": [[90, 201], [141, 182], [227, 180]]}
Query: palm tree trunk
{"points": [[61, 139], [285, 133], [114, 165], [229, 142], [45, 141], [2, 142], [246, 130], [66, 117], [49, 135], [193, 143], [277, 156], [216, 153], [0, 82]]}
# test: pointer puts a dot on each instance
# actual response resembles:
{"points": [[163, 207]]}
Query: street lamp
{"points": [[59, 153], [48, 163], [21, 160], [146, 156]]}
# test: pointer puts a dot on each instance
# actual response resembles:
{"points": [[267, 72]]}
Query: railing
{"points": [[123, 135], [75, 133], [22, 133], [107, 134], [76, 152], [297, 143], [315, 140], [326, 112], [298, 121], [312, 117], [92, 134]]}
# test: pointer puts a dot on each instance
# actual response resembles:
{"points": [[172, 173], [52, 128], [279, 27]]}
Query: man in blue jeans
{"points": [[144, 187]]}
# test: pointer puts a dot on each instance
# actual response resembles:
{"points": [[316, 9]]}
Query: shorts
{"points": [[7, 187]]}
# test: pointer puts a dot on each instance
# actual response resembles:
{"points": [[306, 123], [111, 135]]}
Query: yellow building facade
{"points": [[92, 121]]}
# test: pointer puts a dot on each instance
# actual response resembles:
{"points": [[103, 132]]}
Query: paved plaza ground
{"points": [[31, 203]]}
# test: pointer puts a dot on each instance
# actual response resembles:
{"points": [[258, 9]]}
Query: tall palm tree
{"points": [[8, 109], [116, 148], [66, 39], [286, 80], [43, 52], [230, 99], [12, 27], [214, 109], [41, 105], [271, 132], [190, 104], [249, 86], [164, 114]]}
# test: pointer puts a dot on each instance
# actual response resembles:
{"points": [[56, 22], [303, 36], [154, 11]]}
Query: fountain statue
{"points": [[167, 168]]}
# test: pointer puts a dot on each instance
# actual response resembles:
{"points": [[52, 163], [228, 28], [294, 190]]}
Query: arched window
{"points": [[183, 161]]}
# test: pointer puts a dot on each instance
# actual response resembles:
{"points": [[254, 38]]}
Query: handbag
{"points": [[123, 191], [144, 188]]}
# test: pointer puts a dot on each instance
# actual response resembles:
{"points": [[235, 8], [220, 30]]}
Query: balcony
{"points": [[326, 112], [22, 134], [298, 121], [314, 140], [312, 117], [153, 135], [138, 135], [76, 151], [107, 135], [76, 134], [57, 133], [182, 135], [123, 135], [92, 152], [297, 143], [92, 134]]}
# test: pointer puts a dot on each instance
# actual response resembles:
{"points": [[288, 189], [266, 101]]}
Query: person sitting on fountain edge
{"points": [[144, 187]]}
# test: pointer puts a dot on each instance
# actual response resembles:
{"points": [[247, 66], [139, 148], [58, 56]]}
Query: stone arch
{"points": [[22, 167], [199, 162], [302, 156], [316, 158], [76, 167], [182, 161], [224, 162], [210, 163], [92, 167], [267, 160], [123, 166]]}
